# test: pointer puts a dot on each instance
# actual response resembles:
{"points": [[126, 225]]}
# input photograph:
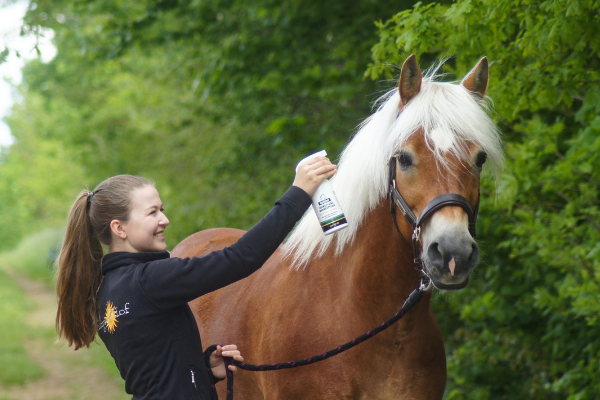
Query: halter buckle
{"points": [[417, 234], [425, 287], [416, 239]]}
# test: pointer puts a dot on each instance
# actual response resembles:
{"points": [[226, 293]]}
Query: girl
{"points": [[136, 296]]}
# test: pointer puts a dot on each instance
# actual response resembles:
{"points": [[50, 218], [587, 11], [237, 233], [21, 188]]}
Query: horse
{"points": [[427, 138]]}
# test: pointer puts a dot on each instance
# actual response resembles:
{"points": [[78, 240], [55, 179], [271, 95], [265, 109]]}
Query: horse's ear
{"points": [[409, 84], [476, 81]]}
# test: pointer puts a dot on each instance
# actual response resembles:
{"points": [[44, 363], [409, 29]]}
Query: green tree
{"points": [[214, 100], [38, 177], [527, 326]]}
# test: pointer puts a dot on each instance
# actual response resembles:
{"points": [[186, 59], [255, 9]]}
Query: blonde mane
{"points": [[449, 116]]}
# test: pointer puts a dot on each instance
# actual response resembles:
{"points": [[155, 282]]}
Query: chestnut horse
{"points": [[318, 291]]}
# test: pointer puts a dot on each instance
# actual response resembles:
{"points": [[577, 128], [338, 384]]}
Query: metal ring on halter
{"points": [[424, 288]]}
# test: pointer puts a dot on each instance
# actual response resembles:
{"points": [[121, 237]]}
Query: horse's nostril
{"points": [[434, 253], [474, 256], [453, 254]]}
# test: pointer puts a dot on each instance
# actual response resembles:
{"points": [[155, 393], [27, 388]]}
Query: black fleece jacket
{"points": [[145, 321]]}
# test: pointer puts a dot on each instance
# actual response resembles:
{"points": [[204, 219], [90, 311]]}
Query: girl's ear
{"points": [[117, 229]]}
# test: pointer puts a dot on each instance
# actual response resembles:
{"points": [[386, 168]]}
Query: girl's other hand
{"points": [[217, 364], [311, 173]]}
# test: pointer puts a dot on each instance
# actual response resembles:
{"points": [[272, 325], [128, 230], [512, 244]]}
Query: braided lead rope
{"points": [[410, 302]]}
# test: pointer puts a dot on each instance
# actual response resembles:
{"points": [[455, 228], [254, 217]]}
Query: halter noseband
{"points": [[444, 200]]}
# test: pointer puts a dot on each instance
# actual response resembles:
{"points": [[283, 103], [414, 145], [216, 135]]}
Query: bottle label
{"points": [[325, 203], [327, 208]]}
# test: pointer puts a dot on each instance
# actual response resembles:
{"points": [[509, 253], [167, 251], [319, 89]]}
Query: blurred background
{"points": [[217, 100]]}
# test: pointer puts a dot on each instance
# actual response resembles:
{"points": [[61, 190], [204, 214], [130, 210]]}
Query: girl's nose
{"points": [[164, 221]]}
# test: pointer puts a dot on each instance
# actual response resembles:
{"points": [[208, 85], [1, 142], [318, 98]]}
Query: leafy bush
{"points": [[527, 326]]}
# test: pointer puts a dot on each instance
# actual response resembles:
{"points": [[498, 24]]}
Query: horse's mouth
{"points": [[453, 286], [444, 281]]}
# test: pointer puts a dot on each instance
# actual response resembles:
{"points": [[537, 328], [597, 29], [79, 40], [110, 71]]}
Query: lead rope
{"points": [[412, 300]]}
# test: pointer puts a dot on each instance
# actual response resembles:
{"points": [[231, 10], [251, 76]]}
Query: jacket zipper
{"points": [[193, 378]]}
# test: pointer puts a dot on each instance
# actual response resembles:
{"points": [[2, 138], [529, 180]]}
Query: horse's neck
{"points": [[381, 262]]}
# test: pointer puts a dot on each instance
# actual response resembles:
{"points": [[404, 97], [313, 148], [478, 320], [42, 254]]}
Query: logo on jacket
{"points": [[111, 317]]}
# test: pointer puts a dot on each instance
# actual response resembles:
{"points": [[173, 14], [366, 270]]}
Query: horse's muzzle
{"points": [[449, 259]]}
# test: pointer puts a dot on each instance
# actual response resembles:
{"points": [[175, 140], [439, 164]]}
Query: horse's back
{"points": [[205, 242]]}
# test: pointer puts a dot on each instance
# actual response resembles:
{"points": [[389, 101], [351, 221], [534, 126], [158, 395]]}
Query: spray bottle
{"points": [[326, 206]]}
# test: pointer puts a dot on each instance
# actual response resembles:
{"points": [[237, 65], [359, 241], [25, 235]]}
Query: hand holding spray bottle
{"points": [[326, 206]]}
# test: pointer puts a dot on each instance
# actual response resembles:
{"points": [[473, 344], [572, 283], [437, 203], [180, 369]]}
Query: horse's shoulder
{"points": [[204, 242]]}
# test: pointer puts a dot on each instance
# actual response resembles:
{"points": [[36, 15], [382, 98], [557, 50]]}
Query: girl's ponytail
{"points": [[80, 259], [79, 277]]}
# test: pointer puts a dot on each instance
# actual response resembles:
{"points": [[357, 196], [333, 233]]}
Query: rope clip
{"points": [[423, 287]]}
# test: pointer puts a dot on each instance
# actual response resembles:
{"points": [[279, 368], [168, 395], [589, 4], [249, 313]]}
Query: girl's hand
{"points": [[217, 364], [312, 172]]}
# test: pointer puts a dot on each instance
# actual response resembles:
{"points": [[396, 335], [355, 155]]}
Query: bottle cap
{"points": [[317, 154]]}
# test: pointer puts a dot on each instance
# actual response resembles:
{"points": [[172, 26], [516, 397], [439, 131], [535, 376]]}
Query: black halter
{"points": [[447, 199]]}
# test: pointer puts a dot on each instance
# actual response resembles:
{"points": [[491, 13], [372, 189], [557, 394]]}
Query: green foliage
{"points": [[527, 326], [215, 101], [38, 176], [4, 55]]}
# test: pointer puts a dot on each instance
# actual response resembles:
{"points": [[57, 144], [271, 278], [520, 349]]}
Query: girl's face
{"points": [[144, 232]]}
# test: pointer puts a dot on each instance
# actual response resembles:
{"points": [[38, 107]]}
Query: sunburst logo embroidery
{"points": [[110, 317]]}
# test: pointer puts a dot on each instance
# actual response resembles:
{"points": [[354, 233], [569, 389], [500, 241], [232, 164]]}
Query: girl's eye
{"points": [[404, 160], [480, 160]]}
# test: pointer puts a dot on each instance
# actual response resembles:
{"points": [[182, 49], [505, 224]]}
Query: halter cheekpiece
{"points": [[446, 199]]}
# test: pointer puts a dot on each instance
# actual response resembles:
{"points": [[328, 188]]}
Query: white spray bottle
{"points": [[326, 206]]}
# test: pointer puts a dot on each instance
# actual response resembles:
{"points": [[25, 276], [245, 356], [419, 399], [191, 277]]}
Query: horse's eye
{"points": [[480, 160], [404, 159]]}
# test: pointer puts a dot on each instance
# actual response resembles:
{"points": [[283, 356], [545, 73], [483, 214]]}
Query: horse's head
{"points": [[436, 170], [425, 139]]}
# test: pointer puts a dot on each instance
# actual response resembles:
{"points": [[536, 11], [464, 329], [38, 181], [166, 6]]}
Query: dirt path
{"points": [[68, 374]]}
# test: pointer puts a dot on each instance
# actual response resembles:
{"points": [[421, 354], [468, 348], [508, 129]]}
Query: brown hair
{"points": [[79, 262]]}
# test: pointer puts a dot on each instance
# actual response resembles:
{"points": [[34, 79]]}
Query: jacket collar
{"points": [[122, 259]]}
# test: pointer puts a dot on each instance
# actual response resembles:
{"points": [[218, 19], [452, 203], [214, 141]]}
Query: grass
{"points": [[34, 256], [15, 367], [34, 259]]}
